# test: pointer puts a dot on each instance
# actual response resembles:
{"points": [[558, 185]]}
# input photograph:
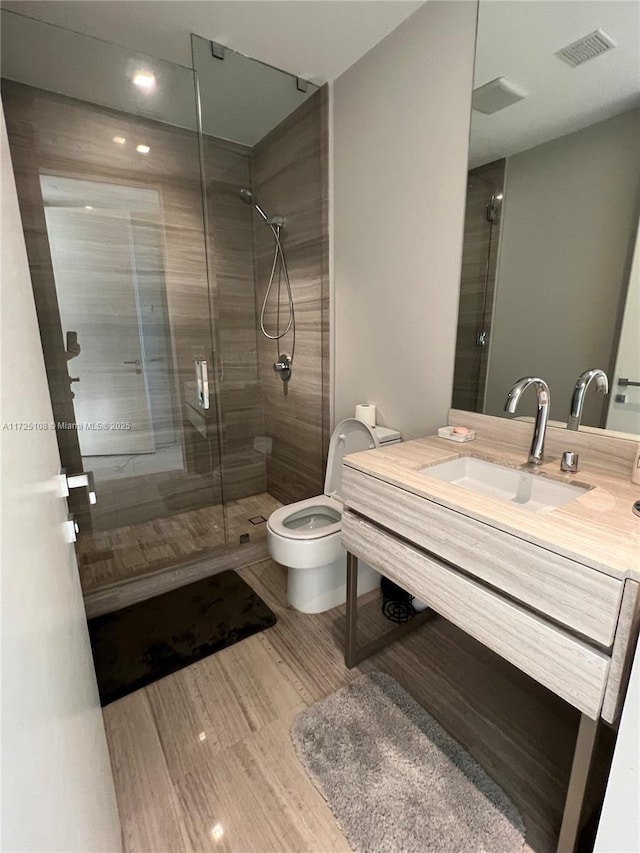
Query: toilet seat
{"points": [[321, 504], [296, 522], [306, 536]]}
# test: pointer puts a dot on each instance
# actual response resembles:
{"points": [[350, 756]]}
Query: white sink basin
{"points": [[530, 491]]}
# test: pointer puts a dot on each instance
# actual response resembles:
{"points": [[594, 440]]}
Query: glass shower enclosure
{"points": [[142, 263]]}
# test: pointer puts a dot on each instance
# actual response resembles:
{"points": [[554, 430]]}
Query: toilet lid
{"points": [[349, 436]]}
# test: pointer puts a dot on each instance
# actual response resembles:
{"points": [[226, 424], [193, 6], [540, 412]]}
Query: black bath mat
{"points": [[139, 644]]}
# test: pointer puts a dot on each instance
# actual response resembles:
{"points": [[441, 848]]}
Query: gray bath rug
{"points": [[395, 781]]}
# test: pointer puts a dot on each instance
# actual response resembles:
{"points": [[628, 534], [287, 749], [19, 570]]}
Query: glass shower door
{"points": [[242, 104], [109, 187]]}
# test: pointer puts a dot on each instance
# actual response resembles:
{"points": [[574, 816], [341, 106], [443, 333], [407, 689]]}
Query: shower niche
{"points": [[147, 261]]}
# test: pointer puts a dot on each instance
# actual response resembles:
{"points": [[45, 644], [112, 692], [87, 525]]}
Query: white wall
{"points": [[400, 138], [57, 787], [568, 228]]}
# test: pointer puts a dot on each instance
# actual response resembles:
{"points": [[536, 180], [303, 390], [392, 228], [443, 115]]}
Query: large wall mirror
{"points": [[551, 261]]}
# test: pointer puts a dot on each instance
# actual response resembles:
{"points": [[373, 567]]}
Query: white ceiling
{"points": [[518, 40], [314, 39]]}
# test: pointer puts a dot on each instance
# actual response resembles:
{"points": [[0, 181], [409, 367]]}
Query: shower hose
{"points": [[278, 254]]}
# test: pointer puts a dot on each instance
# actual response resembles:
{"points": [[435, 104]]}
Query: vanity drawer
{"points": [[570, 668], [583, 599]]}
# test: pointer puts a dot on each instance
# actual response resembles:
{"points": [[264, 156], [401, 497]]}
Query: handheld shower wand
{"points": [[283, 365]]}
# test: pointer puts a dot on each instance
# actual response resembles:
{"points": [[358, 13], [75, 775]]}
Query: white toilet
{"points": [[305, 536]]}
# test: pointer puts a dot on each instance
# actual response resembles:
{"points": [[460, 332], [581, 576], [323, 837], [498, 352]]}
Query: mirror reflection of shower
{"points": [[284, 363]]}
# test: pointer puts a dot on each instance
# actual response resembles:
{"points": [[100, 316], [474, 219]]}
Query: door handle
{"points": [[202, 382], [78, 481], [137, 361]]}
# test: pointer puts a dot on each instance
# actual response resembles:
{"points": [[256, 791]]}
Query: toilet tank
{"points": [[387, 435]]}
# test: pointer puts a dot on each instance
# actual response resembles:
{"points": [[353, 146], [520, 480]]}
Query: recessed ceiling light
{"points": [[143, 149], [144, 80], [88, 207], [119, 140]]}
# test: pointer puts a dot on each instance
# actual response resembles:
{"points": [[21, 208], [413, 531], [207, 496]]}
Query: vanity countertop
{"points": [[597, 529]]}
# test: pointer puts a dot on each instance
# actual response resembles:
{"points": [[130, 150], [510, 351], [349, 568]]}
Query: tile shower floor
{"points": [[122, 553], [203, 760]]}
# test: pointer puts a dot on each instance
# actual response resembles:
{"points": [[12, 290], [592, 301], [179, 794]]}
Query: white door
{"points": [[624, 414], [57, 791], [92, 255]]}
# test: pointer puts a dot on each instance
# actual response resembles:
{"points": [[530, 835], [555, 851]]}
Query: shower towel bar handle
{"points": [[202, 382]]}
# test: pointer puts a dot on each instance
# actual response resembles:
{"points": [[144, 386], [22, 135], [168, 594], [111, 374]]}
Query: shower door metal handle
{"points": [[202, 382]]}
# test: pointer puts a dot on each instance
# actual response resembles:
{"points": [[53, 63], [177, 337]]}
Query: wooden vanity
{"points": [[556, 593]]}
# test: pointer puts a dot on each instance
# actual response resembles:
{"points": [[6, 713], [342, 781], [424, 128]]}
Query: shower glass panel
{"points": [[108, 172], [254, 195]]}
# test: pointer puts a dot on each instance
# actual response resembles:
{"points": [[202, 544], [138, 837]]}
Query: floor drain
{"points": [[258, 519]]}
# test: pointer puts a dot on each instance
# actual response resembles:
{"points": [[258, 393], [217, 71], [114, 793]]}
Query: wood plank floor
{"points": [[106, 557], [203, 760]]}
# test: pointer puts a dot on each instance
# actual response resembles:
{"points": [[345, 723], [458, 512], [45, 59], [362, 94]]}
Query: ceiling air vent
{"points": [[586, 48]]}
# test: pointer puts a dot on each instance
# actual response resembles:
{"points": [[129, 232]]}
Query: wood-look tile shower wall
{"points": [[289, 177], [482, 224]]}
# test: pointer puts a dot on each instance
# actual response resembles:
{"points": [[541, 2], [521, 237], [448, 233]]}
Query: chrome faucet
{"points": [[536, 453], [580, 390]]}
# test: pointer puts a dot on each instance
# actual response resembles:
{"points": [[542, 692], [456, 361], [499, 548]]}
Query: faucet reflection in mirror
{"points": [[580, 390]]}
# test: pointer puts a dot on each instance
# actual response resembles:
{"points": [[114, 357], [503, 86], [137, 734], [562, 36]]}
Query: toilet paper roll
{"points": [[366, 412]]}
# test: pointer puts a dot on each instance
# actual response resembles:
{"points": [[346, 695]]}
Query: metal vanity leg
{"points": [[352, 611], [354, 655], [583, 753]]}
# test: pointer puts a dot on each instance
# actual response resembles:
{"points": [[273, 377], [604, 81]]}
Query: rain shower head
{"points": [[248, 198]]}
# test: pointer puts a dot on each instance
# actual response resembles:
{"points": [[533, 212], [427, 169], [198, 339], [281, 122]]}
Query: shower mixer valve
{"points": [[283, 366]]}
